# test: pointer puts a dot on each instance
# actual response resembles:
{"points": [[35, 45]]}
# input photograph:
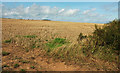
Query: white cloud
{"points": [[11, 13], [37, 11], [71, 12], [61, 10], [45, 9], [53, 13], [27, 9], [88, 11]]}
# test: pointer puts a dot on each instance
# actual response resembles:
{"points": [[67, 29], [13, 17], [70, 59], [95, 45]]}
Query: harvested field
{"points": [[23, 43]]}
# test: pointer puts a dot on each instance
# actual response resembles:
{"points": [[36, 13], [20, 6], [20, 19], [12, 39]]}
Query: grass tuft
{"points": [[24, 61], [22, 69], [57, 42], [30, 36], [5, 53], [8, 41], [33, 67], [5, 66], [16, 65]]}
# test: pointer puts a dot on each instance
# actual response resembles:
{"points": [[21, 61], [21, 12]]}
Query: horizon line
{"points": [[51, 20]]}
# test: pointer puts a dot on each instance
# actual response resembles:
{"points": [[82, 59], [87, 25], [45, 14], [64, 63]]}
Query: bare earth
{"points": [[70, 30], [45, 29]]}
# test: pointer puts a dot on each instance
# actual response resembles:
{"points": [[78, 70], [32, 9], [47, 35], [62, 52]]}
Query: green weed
{"points": [[8, 41], [5, 53], [22, 70], [30, 36], [5, 66], [24, 61], [33, 67], [16, 65], [27, 50], [57, 42]]}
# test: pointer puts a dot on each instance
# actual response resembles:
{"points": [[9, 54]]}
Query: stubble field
{"points": [[25, 42]]}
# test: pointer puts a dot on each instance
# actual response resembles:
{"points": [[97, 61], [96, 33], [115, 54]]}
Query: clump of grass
{"points": [[5, 66], [57, 42], [22, 70], [38, 46], [33, 67], [33, 46], [24, 61], [69, 52], [8, 41], [18, 57], [16, 65], [4, 53], [30, 36], [81, 37], [18, 36], [28, 42], [27, 50]]}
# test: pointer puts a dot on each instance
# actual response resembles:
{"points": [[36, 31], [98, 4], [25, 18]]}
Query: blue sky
{"points": [[59, 0], [91, 12]]}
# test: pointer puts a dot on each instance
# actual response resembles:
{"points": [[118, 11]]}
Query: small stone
{"points": [[34, 60], [28, 68]]}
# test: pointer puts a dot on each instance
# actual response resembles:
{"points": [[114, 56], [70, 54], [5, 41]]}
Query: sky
{"points": [[60, 0], [90, 12]]}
